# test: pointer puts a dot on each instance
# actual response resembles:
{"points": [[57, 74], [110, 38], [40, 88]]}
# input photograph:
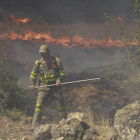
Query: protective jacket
{"points": [[49, 72]]}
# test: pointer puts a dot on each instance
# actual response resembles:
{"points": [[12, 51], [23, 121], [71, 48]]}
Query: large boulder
{"points": [[127, 121]]}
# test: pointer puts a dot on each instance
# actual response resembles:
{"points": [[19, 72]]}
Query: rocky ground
{"points": [[100, 99]]}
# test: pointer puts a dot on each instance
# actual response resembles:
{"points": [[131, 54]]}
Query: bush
{"points": [[11, 90], [127, 74], [15, 114]]}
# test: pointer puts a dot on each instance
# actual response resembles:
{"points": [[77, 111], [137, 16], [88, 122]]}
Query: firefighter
{"points": [[50, 70]]}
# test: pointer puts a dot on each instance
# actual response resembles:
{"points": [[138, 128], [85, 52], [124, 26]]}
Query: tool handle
{"points": [[69, 82]]}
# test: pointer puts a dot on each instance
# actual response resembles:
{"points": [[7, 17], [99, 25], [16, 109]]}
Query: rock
{"points": [[24, 138], [56, 131], [42, 132], [73, 130], [92, 133], [60, 138], [91, 130], [127, 121], [115, 135], [62, 122], [78, 115], [88, 137]]}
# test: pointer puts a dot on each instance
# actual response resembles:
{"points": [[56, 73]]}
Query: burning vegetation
{"points": [[19, 20], [65, 41]]}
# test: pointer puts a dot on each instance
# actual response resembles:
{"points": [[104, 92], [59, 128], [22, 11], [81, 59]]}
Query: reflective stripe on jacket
{"points": [[48, 72]]}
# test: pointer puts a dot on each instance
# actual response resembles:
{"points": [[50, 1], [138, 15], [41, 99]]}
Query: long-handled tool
{"points": [[69, 82]]}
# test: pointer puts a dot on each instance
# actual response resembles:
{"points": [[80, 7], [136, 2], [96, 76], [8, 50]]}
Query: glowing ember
{"points": [[19, 20]]}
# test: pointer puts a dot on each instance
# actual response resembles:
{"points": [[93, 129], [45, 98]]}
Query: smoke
{"points": [[69, 11], [73, 59], [60, 14]]}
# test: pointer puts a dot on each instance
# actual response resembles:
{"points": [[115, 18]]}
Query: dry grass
{"points": [[18, 129], [102, 127], [79, 96], [87, 31], [14, 129]]}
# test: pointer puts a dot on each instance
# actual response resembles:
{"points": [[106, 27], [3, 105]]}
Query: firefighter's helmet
{"points": [[43, 49]]}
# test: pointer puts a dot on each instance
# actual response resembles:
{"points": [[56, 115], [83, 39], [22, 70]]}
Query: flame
{"points": [[106, 23], [26, 67], [120, 19], [19, 20], [66, 41]]}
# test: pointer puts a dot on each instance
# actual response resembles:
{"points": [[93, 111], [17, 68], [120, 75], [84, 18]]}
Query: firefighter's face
{"points": [[45, 55]]}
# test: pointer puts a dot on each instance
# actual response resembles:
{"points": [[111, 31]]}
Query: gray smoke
{"points": [[68, 11], [63, 13], [73, 59]]}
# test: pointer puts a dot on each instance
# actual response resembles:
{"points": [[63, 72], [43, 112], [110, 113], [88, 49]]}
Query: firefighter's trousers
{"points": [[43, 94]]}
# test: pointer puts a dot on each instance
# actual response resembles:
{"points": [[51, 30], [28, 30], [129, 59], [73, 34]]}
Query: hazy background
{"points": [[68, 11], [70, 17]]}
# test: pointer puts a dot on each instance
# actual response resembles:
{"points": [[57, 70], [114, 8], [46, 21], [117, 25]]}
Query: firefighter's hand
{"points": [[57, 83], [32, 87]]}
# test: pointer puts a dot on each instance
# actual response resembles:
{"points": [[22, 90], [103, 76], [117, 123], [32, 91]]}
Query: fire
{"points": [[66, 41], [19, 20], [106, 23], [26, 67], [120, 19]]}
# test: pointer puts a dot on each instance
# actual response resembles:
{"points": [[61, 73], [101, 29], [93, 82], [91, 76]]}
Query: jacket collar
{"points": [[43, 62]]}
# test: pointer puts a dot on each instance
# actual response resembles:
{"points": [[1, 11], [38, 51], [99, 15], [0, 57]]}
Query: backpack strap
{"points": [[56, 61], [38, 64]]}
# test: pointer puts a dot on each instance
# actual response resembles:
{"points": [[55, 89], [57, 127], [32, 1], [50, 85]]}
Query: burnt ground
{"points": [[104, 97]]}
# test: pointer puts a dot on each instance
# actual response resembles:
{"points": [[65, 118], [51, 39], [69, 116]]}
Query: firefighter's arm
{"points": [[61, 72], [33, 75]]}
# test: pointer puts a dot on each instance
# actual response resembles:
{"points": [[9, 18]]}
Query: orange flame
{"points": [[19, 20], [76, 41], [120, 19], [26, 67]]}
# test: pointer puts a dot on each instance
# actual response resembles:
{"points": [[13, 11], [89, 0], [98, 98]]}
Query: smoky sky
{"points": [[73, 59], [68, 11]]}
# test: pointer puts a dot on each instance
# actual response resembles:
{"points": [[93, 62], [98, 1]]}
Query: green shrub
{"points": [[12, 91], [15, 114], [127, 74]]}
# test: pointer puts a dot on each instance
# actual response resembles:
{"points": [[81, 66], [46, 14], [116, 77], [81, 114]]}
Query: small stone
{"points": [[24, 138], [88, 137], [60, 138]]}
